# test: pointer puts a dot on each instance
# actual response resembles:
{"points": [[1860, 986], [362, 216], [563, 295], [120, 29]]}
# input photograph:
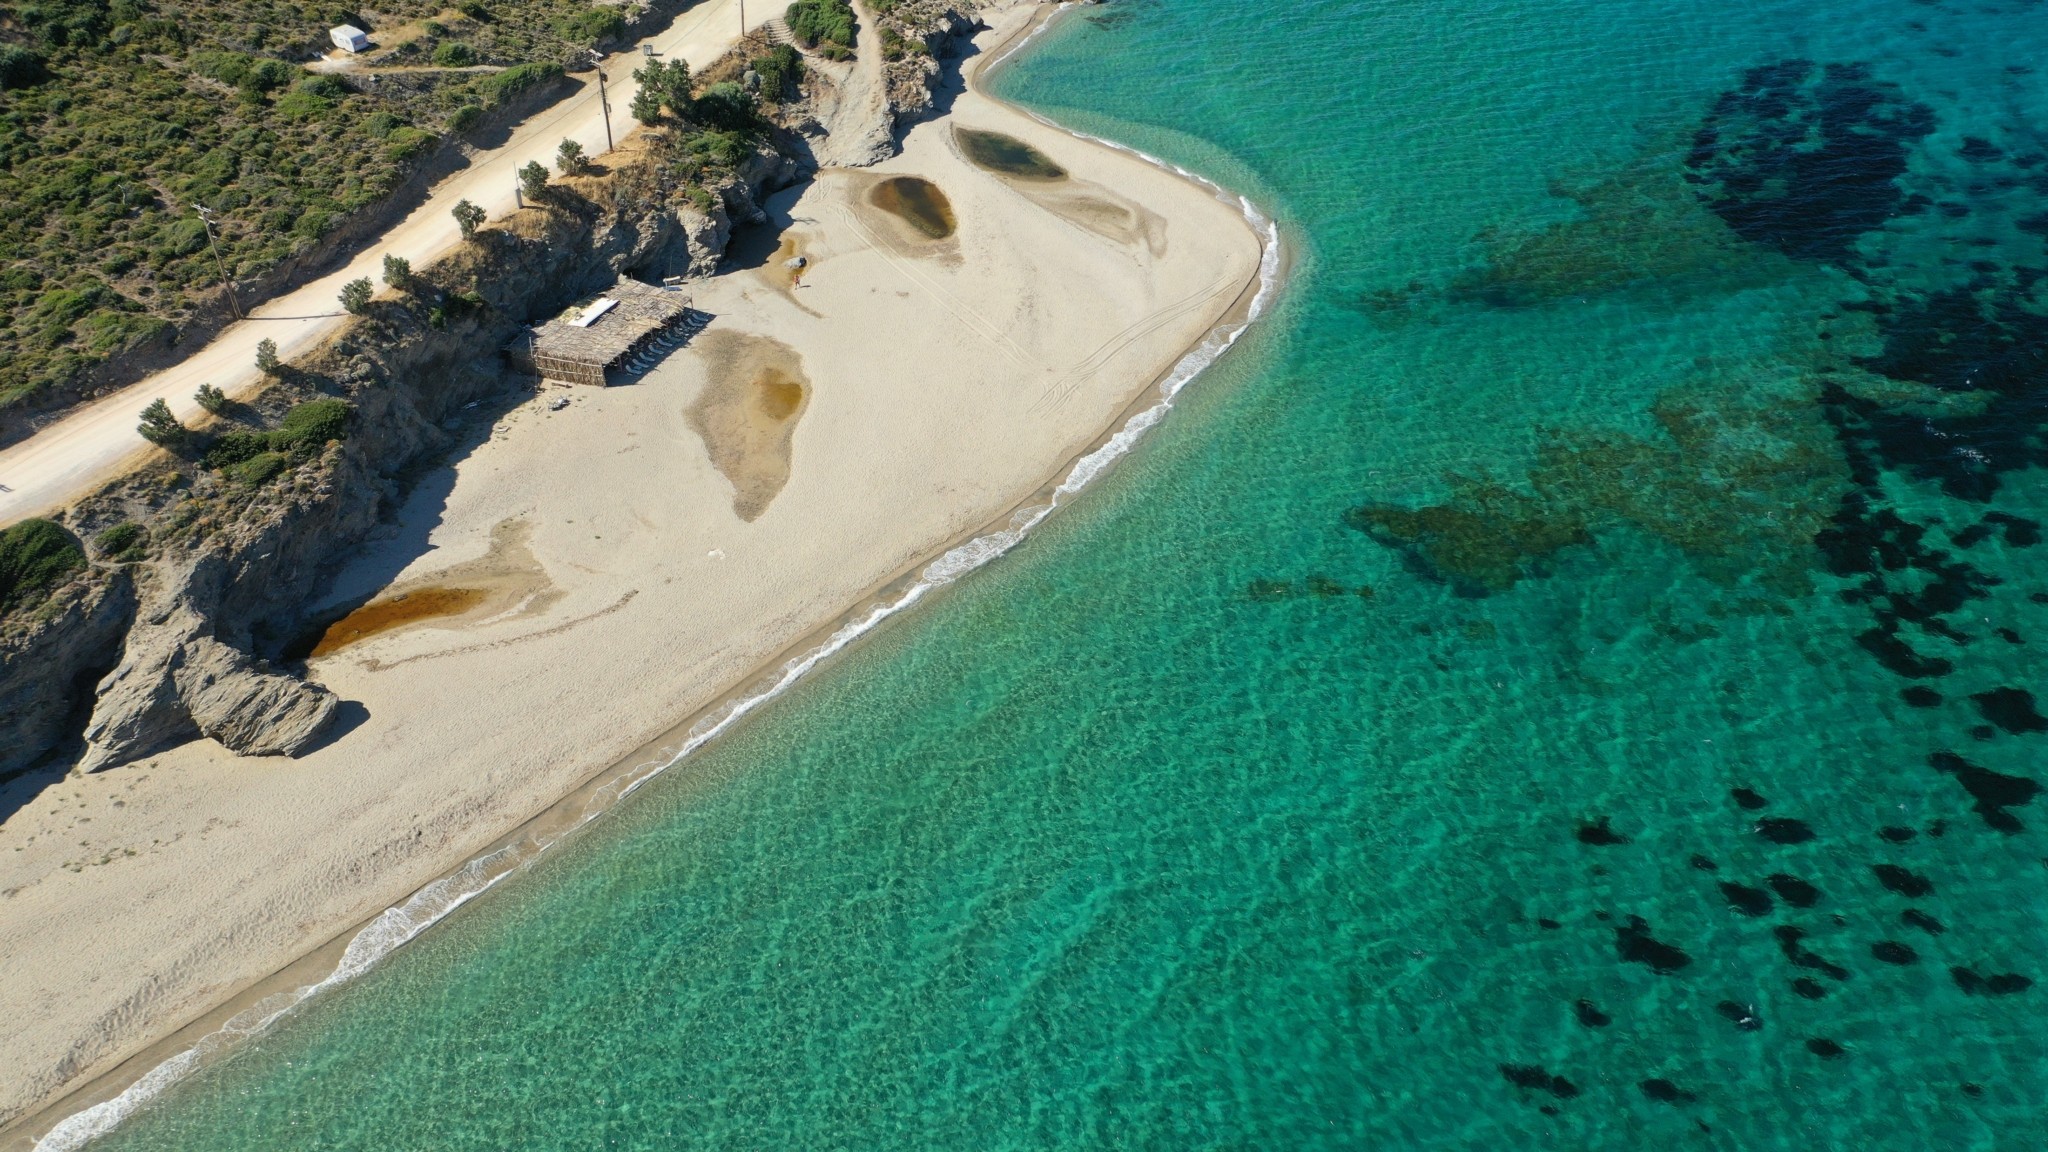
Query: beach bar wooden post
{"points": [[587, 344]]}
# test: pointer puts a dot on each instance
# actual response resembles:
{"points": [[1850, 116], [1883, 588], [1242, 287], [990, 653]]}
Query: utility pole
{"points": [[206, 218], [603, 100]]}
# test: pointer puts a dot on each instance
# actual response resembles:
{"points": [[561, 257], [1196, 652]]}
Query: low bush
{"points": [[20, 67], [592, 25], [781, 70], [35, 556], [816, 22], [512, 81], [125, 541], [232, 448], [311, 425], [300, 435], [727, 107], [258, 469]]}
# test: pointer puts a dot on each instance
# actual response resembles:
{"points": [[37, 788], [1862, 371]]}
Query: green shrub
{"points": [[258, 469], [312, 424], [124, 541], [780, 71], [464, 118], [533, 181], [512, 81], [325, 87], [300, 105], [475, 10], [815, 22], [20, 67], [728, 149], [34, 556], [592, 25], [231, 448], [727, 107], [662, 82], [405, 143], [454, 54], [570, 159]]}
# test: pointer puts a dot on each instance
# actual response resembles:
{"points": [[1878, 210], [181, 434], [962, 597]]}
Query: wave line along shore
{"points": [[963, 447]]}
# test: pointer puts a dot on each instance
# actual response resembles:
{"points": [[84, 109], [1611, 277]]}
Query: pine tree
{"points": [[266, 356], [355, 295], [533, 180], [467, 217], [159, 426]]}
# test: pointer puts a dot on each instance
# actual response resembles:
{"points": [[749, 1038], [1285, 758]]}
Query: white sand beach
{"points": [[637, 554]]}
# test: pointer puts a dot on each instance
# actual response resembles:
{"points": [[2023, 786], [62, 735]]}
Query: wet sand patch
{"points": [[1006, 155], [1101, 211], [754, 393], [383, 615], [506, 580], [918, 203]]}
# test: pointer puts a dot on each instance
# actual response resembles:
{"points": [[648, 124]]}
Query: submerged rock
{"points": [[1792, 890], [1635, 944], [1537, 1078], [1746, 900], [1665, 1092], [1974, 983], [1783, 830], [1994, 792], [1902, 881], [1598, 832]]}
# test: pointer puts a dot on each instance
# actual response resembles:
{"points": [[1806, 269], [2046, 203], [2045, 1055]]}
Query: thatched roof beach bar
{"points": [[591, 343]]}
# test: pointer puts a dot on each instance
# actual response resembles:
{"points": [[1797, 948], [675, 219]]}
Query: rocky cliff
{"points": [[138, 654], [180, 642]]}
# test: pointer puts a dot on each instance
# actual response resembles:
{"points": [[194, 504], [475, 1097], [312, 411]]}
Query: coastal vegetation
{"points": [[825, 26], [119, 119], [35, 555]]}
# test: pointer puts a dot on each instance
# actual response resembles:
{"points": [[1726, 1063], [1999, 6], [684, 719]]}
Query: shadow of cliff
{"points": [[403, 536], [754, 245], [951, 83]]}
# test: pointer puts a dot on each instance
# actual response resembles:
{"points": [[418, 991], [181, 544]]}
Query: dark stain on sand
{"points": [[396, 612], [1006, 155], [917, 202]]}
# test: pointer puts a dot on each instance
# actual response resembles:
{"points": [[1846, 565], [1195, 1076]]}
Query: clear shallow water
{"points": [[1163, 833]]}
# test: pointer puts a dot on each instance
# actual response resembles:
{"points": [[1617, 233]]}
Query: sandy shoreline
{"points": [[922, 386]]}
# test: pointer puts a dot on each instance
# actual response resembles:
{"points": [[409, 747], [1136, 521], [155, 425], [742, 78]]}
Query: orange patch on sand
{"points": [[402, 609]]}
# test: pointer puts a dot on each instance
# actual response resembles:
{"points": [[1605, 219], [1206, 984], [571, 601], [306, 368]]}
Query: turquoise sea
{"points": [[1567, 679]]}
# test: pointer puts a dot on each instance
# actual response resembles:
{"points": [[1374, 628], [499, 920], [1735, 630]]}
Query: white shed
{"points": [[349, 38]]}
